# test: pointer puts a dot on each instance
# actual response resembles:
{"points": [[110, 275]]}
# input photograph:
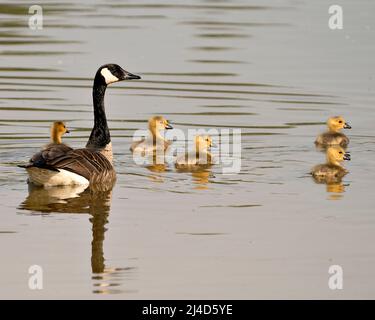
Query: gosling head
{"points": [[158, 123], [336, 155], [335, 124], [110, 73], [203, 143], [58, 129]]}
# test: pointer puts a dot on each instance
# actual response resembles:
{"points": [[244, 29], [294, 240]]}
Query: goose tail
{"points": [[24, 166], [32, 165]]}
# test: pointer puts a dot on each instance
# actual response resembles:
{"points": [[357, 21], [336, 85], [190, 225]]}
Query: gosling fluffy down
{"points": [[333, 136], [155, 140], [198, 158]]}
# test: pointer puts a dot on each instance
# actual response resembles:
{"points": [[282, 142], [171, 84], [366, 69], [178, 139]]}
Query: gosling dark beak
{"points": [[67, 131], [168, 127], [130, 76], [347, 156], [347, 126]]}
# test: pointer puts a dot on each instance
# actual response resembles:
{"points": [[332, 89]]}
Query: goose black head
{"points": [[110, 73]]}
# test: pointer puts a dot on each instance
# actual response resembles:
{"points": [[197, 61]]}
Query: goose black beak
{"points": [[168, 127], [347, 126], [67, 131], [347, 156], [130, 76]]}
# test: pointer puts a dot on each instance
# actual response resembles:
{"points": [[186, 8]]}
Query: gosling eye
{"points": [[340, 121], [340, 152]]}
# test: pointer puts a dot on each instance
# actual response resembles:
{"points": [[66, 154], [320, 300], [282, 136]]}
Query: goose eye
{"points": [[340, 121], [340, 152]]}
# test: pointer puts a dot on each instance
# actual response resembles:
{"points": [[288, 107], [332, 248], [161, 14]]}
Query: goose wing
{"points": [[84, 162], [43, 157]]}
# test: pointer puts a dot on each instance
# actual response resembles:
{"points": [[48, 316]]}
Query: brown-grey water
{"points": [[272, 68]]}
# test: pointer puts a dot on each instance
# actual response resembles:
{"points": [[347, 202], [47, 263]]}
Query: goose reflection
{"points": [[77, 200]]}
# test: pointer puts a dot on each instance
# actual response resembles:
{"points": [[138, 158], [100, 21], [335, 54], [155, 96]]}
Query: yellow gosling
{"points": [[58, 129], [155, 141], [333, 136], [197, 159]]}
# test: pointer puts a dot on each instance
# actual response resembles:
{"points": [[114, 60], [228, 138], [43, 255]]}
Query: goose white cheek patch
{"points": [[108, 76]]}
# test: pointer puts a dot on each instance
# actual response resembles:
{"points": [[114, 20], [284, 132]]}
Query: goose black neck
{"points": [[100, 135]]}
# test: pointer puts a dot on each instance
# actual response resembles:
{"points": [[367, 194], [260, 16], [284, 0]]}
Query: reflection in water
{"points": [[335, 190], [154, 162], [337, 187], [201, 178], [77, 200], [201, 175], [332, 172], [334, 187], [156, 169]]}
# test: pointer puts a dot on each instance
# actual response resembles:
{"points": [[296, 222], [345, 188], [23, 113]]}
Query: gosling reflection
{"points": [[337, 187], [77, 200], [332, 172], [201, 178], [156, 165], [198, 162]]}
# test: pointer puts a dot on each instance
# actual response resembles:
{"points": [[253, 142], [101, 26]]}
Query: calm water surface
{"points": [[271, 68]]}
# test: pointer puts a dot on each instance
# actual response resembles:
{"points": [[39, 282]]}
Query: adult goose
{"points": [[55, 166]]}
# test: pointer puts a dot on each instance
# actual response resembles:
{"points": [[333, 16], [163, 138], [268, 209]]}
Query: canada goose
{"points": [[90, 165], [155, 141], [197, 159], [332, 170], [333, 136]]}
